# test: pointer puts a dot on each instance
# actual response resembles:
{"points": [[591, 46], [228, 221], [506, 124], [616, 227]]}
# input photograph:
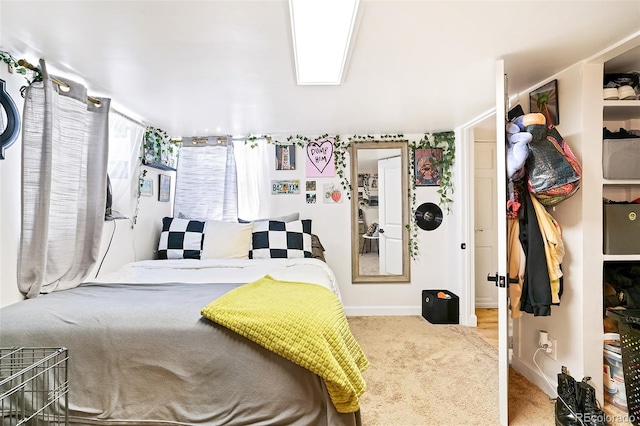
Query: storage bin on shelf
{"points": [[613, 375], [621, 158], [629, 330], [621, 228]]}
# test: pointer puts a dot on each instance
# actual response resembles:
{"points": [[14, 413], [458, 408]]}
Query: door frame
{"points": [[466, 133], [467, 140], [475, 283]]}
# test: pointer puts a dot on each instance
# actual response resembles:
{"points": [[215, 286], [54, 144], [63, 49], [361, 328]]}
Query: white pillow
{"points": [[286, 218], [226, 240]]}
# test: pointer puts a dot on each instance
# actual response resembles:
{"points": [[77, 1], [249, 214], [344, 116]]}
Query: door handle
{"points": [[381, 231], [478, 230], [500, 280]]}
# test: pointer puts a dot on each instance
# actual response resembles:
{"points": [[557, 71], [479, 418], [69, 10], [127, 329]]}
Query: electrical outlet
{"points": [[553, 354]]}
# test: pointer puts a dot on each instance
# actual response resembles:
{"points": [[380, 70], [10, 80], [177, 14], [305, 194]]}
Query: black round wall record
{"points": [[428, 216]]}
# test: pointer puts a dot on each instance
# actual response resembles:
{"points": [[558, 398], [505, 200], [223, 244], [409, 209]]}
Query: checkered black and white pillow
{"points": [[180, 238], [274, 239]]}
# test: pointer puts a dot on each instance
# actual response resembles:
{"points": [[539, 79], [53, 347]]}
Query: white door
{"points": [[501, 277], [486, 239], [390, 215]]}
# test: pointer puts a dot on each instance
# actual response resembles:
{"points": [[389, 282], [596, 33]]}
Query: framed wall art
{"points": [[285, 157], [285, 186], [428, 171], [164, 192], [545, 100], [146, 187], [320, 160]]}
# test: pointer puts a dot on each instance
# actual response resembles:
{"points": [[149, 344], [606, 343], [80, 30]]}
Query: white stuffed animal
{"points": [[519, 139]]}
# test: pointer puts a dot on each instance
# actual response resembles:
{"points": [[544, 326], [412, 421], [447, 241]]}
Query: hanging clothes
{"points": [[536, 289], [516, 260], [553, 248]]}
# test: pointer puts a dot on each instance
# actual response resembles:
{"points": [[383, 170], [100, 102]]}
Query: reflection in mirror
{"points": [[379, 212]]}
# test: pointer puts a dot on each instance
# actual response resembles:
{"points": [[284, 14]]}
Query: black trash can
{"points": [[440, 311]]}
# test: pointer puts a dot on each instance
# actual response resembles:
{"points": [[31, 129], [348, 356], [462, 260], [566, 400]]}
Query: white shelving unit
{"points": [[621, 114], [617, 114], [621, 110]]}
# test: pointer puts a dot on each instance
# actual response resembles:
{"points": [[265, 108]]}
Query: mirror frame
{"points": [[355, 237]]}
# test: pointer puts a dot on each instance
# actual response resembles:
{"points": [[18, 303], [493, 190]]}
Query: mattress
{"points": [[141, 353]]}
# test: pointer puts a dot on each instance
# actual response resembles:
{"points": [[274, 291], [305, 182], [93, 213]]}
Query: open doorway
{"points": [[484, 229]]}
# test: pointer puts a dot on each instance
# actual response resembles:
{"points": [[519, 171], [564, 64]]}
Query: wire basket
{"points": [[629, 329], [34, 386]]}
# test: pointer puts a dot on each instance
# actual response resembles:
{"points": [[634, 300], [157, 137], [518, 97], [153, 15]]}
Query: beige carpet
{"points": [[369, 264], [426, 374]]}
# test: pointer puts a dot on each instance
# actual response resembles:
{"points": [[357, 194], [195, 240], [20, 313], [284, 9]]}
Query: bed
{"points": [[141, 351]]}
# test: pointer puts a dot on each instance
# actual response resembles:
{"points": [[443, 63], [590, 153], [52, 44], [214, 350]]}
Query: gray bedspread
{"points": [[142, 354]]}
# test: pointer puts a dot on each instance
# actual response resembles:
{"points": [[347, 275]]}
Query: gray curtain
{"points": [[206, 182], [64, 155]]}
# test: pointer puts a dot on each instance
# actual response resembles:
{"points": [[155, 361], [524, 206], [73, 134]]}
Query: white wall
{"points": [[140, 241], [434, 268], [332, 223], [10, 200]]}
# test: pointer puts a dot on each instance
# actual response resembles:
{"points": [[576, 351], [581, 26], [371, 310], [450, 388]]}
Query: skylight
{"points": [[322, 31]]}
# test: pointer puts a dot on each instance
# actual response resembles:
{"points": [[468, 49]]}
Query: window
{"points": [[125, 139], [222, 181]]}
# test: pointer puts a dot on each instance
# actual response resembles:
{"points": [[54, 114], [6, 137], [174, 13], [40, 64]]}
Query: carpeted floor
{"points": [[427, 374], [369, 263]]}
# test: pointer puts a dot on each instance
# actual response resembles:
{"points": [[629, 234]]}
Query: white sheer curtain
{"points": [[125, 140], [206, 182], [64, 170], [252, 163]]}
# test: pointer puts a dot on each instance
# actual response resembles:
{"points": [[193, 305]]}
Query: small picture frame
{"points": [[146, 187], [311, 197], [545, 100], [285, 157], [164, 192], [427, 167]]}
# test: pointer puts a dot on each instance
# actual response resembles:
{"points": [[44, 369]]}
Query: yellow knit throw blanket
{"points": [[302, 322]]}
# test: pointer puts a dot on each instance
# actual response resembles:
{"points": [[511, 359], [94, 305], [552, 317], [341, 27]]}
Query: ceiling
{"points": [[198, 68]]}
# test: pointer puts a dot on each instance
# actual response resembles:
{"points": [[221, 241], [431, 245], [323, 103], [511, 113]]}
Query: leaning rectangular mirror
{"points": [[379, 212]]}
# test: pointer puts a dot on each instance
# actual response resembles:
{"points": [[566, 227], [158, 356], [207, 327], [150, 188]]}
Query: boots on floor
{"points": [[590, 412], [566, 409]]}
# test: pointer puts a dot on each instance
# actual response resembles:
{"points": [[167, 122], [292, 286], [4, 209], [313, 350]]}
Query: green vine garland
{"points": [[30, 75], [444, 141], [158, 147]]}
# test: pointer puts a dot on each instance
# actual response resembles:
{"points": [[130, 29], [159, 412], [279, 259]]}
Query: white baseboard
{"points": [[473, 320], [486, 304], [371, 311], [366, 311], [531, 373]]}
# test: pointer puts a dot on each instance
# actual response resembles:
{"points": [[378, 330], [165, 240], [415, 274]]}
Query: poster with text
{"points": [[320, 159]]}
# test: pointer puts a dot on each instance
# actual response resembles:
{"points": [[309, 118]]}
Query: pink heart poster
{"points": [[320, 159]]}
